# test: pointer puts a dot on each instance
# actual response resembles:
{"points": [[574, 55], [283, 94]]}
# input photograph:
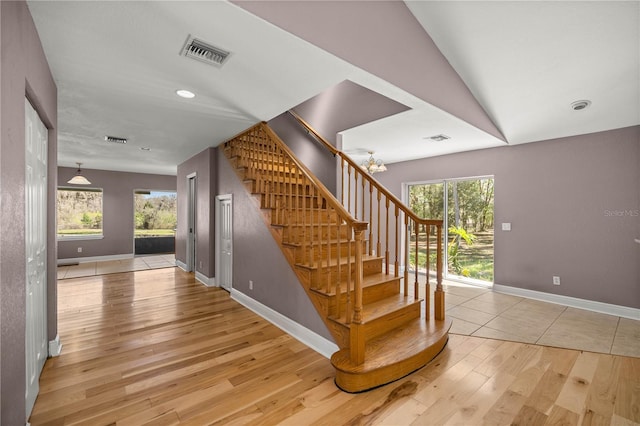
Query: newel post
{"points": [[356, 334], [439, 293]]}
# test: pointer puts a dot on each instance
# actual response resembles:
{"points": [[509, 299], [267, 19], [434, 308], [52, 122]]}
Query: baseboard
{"points": [[55, 347], [574, 302], [209, 282], [181, 265], [310, 338], [96, 258]]}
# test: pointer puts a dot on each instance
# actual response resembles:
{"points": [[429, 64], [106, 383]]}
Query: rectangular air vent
{"points": [[114, 139], [201, 51], [439, 138]]}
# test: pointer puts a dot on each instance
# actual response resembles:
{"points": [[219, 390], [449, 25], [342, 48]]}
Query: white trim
{"points": [[66, 237], [574, 302], [313, 340], [96, 258], [209, 282], [181, 265], [55, 347]]}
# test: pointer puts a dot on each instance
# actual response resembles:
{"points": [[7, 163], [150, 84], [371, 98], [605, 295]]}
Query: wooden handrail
{"points": [[344, 214], [372, 181]]}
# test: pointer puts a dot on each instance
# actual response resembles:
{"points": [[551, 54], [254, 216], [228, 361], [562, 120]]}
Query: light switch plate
{"points": [[506, 226]]}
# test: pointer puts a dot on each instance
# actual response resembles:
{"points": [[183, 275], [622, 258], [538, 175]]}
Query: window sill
{"points": [[79, 237]]}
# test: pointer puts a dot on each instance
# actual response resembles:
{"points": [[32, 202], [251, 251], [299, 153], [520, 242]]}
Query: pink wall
{"points": [[204, 166], [23, 72], [573, 204], [117, 210]]}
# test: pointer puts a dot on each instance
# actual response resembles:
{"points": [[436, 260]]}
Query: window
{"points": [[155, 213], [468, 224], [79, 213]]}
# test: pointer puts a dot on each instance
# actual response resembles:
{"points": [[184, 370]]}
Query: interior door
{"points": [[191, 236], [36, 251], [224, 232]]}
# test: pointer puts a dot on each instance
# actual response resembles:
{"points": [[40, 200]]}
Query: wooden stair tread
{"points": [[368, 281], [392, 355], [315, 243], [375, 310], [344, 260]]}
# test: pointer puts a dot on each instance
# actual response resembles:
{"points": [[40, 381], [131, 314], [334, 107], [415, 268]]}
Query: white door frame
{"points": [[192, 185], [36, 169], [226, 276]]}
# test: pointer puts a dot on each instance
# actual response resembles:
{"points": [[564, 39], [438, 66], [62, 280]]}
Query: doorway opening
{"points": [[191, 222], [468, 225], [155, 219], [224, 241]]}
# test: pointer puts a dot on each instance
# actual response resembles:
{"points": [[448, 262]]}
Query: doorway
{"points": [[224, 241], [468, 224], [192, 222], [36, 251]]}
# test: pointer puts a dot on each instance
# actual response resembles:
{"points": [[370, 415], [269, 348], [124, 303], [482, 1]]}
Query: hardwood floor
{"points": [[156, 347]]}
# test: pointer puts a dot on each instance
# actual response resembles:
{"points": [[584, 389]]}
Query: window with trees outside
{"points": [[468, 225], [155, 213], [79, 213]]}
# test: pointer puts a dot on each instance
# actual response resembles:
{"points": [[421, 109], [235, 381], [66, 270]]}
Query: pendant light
{"points": [[78, 179]]}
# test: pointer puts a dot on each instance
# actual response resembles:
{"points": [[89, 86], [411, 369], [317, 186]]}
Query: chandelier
{"points": [[372, 165]]}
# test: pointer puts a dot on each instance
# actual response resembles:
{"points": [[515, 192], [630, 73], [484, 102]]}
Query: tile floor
{"points": [[138, 263], [484, 313]]}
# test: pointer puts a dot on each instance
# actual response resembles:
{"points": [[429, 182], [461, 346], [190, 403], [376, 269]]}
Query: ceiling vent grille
{"points": [[204, 52], [114, 139], [439, 138]]}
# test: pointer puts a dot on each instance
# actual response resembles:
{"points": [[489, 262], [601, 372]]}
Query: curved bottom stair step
{"points": [[392, 355]]}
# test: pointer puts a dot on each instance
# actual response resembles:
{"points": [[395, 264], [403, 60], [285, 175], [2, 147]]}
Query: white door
{"points": [[36, 251], [191, 236], [224, 232]]}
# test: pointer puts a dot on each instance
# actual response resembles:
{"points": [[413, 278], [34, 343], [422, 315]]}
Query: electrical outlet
{"points": [[250, 285], [556, 280], [79, 249], [506, 226]]}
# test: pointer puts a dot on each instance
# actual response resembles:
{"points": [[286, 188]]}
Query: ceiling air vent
{"points": [[114, 139], [439, 138], [204, 52]]}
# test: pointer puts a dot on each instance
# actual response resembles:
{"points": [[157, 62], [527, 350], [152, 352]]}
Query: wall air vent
{"points": [[439, 138], [114, 139], [204, 52]]}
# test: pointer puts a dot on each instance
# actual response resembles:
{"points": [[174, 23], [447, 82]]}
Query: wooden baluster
{"points": [[357, 338], [439, 293], [349, 189], [342, 180], [427, 286], [386, 239], [407, 247], [396, 265], [355, 197], [304, 232], [363, 192], [370, 219], [416, 231], [349, 307], [328, 241], [379, 223], [338, 296]]}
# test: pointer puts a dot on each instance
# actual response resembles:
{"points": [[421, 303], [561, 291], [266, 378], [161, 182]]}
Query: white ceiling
{"points": [[117, 66]]}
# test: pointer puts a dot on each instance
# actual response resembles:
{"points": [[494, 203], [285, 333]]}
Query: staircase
{"points": [[347, 254]]}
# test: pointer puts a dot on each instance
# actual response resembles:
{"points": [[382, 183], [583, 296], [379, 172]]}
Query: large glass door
{"points": [[468, 225]]}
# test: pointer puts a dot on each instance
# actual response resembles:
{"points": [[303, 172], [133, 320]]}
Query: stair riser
{"points": [[320, 277], [388, 322], [369, 295], [300, 216], [320, 252], [296, 234]]}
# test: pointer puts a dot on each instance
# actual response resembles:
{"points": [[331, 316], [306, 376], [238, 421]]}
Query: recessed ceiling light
{"points": [[438, 138], [185, 94], [580, 105]]}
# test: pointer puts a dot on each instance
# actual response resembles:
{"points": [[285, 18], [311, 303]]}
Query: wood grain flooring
{"points": [[158, 348]]}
